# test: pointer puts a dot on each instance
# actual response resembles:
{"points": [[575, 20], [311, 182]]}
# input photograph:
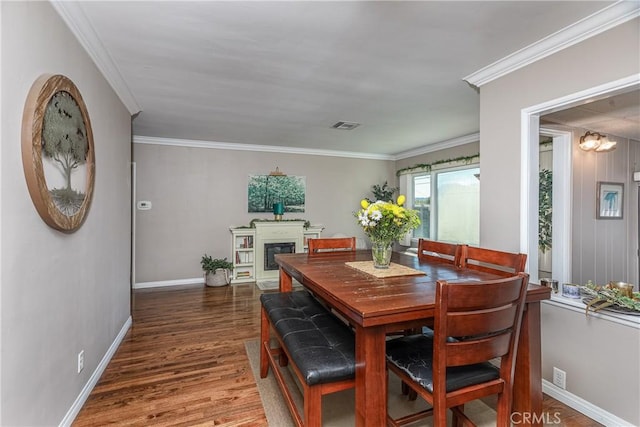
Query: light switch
{"points": [[144, 205], [636, 176]]}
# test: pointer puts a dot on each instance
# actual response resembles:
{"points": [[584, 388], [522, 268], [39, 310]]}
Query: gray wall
{"points": [[61, 293], [198, 193], [501, 102]]}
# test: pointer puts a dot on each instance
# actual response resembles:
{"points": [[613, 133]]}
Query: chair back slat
{"points": [[481, 322], [331, 244], [487, 294], [477, 351], [492, 261], [447, 253]]}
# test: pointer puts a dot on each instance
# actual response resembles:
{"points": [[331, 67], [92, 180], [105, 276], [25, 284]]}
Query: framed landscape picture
{"points": [[265, 190], [609, 200]]}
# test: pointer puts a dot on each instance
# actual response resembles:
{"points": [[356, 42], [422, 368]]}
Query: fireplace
{"points": [[272, 249], [275, 237]]}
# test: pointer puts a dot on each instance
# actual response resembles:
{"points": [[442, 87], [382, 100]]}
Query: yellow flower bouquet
{"points": [[385, 223]]}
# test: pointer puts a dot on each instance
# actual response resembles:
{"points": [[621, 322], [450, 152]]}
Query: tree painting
{"points": [[265, 190], [65, 144]]}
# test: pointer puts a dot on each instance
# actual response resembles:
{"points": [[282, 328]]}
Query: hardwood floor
{"points": [[183, 363]]}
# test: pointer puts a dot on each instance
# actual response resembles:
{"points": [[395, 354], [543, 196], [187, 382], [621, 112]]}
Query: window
{"points": [[448, 201], [422, 203]]}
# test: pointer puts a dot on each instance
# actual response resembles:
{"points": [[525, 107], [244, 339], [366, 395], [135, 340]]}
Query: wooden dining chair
{"points": [[331, 244], [493, 261], [449, 372], [447, 253]]}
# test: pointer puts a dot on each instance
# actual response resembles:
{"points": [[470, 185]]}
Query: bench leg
{"points": [[312, 406], [264, 338]]}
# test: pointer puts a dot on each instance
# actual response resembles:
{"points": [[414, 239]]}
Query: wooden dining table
{"points": [[375, 306]]}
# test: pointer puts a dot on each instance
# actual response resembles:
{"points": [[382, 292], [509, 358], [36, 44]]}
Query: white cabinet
{"points": [[243, 254], [248, 247]]}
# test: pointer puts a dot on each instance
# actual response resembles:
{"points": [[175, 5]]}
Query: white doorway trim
{"points": [[133, 224], [530, 131]]}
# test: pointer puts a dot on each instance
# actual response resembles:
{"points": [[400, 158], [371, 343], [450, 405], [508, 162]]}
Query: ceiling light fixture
{"points": [[594, 141]]}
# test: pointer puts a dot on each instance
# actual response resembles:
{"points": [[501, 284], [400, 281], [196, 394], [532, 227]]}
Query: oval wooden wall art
{"points": [[57, 152]]}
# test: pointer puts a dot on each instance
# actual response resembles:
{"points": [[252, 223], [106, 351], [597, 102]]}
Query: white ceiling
{"points": [[282, 73], [617, 115]]}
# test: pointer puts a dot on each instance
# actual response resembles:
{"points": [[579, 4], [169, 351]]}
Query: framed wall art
{"points": [[266, 190], [609, 200], [57, 152]]}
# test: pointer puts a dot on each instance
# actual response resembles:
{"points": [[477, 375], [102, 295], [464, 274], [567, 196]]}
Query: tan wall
{"points": [[61, 293], [198, 193], [501, 102], [599, 357]]}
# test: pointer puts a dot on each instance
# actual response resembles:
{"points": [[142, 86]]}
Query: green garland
{"points": [[427, 166], [252, 224]]}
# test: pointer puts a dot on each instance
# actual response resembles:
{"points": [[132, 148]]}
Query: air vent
{"points": [[345, 125]]}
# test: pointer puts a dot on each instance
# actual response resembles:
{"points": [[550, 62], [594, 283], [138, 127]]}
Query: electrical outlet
{"points": [[560, 378], [80, 361]]}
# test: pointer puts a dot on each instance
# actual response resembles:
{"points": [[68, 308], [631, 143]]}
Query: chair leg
{"points": [[439, 412], [312, 406], [503, 409], [409, 392], [264, 338], [405, 388], [455, 420]]}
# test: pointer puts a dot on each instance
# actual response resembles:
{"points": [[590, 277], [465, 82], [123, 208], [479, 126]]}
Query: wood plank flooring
{"points": [[183, 363]]}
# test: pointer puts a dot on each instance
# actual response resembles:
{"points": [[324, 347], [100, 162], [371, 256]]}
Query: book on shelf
{"points": [[244, 257], [245, 242]]}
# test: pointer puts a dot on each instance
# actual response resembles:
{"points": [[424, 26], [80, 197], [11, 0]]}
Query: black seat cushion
{"points": [[414, 355], [320, 345]]}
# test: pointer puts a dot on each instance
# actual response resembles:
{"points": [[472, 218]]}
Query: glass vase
{"points": [[381, 252]]}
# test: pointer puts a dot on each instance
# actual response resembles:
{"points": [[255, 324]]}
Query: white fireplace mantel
{"points": [[276, 232], [248, 247]]}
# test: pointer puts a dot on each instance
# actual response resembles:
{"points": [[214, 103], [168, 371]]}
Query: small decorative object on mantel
{"points": [[57, 152], [615, 296], [385, 223], [278, 211]]}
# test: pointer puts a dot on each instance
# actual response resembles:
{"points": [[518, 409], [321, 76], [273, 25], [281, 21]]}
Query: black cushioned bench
{"points": [[320, 347]]}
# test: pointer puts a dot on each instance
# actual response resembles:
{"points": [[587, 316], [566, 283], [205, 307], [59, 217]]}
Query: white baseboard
{"points": [[579, 404], [161, 283], [72, 413]]}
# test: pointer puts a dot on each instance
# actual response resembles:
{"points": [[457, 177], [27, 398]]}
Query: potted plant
{"points": [[216, 270]]}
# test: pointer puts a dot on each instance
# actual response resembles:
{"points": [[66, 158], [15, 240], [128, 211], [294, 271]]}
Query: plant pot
{"points": [[220, 277]]}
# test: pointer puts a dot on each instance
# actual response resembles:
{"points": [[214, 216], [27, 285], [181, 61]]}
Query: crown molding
{"points": [[474, 137], [254, 147], [72, 14], [599, 22]]}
